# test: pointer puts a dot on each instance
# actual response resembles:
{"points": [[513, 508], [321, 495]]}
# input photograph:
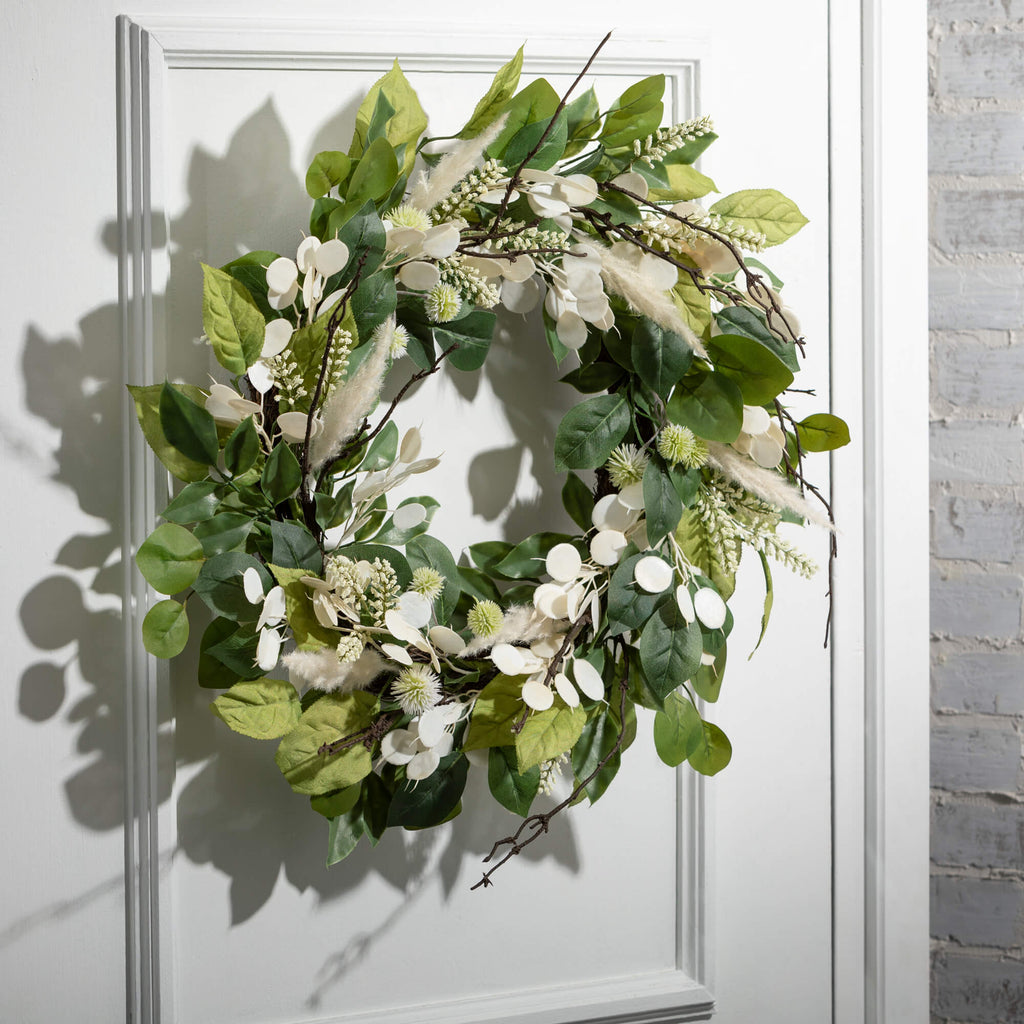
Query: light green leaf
{"points": [[333, 717], [684, 182], [547, 734], [769, 600], [488, 109], [170, 558], [702, 552], [263, 709], [635, 114], [590, 431], [713, 751], [406, 125], [498, 707], [147, 409], [694, 305], [822, 432], [534, 102], [298, 608], [328, 169], [232, 320], [764, 210], [165, 629], [677, 730], [513, 789]]}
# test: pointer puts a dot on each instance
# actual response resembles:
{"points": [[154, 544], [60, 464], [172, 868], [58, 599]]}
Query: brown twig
{"points": [[367, 736]]}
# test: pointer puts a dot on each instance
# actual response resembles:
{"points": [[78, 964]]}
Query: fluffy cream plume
{"points": [[766, 484], [453, 167], [322, 670], [353, 399], [522, 624], [624, 278]]}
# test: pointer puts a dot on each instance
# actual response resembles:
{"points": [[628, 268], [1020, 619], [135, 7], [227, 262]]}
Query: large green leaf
{"points": [[534, 102], [745, 321], [553, 132], [242, 448], [328, 169], [583, 118], [662, 504], [219, 584], [374, 176], [226, 531], [295, 547], [188, 426], [212, 673], [822, 432], [710, 404], [499, 706], [170, 558], [764, 210], [165, 629], [684, 182], [526, 560], [635, 114], [147, 409], [578, 501], [489, 107], [232, 321], [670, 649], [333, 717], [195, 503], [546, 734], [263, 708], [472, 334], [363, 232], [677, 730], [250, 270], [661, 357], [281, 474], [343, 834], [599, 736], [513, 789], [758, 372], [590, 431], [404, 127], [431, 800], [712, 752], [428, 552]]}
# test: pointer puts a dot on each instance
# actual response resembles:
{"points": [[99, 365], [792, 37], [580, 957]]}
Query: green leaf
{"points": [[758, 372], [594, 378], [426, 551], [670, 649], [188, 426], [702, 552], [550, 151], [590, 431], [232, 320], [343, 834], [764, 210], [499, 706], [578, 501], [371, 551], [374, 301], [514, 791], [332, 805], [219, 584], [242, 448], [406, 125], [476, 586], [688, 153], [526, 559], [707, 683], [661, 357], [383, 449], [212, 673], [250, 270], [743, 320], [374, 176], [583, 118], [629, 605], [769, 600], [170, 558], [684, 182], [713, 751], [677, 730], [281, 474], [596, 741], [395, 537], [635, 114], [694, 305], [382, 113], [472, 334], [535, 102], [165, 629], [363, 232], [710, 404], [661, 501], [333, 717], [226, 531], [147, 409], [488, 553], [298, 604], [431, 800], [328, 169], [195, 503], [263, 709], [487, 110], [822, 432], [547, 734], [295, 547]]}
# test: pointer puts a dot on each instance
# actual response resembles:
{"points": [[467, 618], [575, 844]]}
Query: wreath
{"points": [[407, 663]]}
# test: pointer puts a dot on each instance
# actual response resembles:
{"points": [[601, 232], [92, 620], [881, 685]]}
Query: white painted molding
{"points": [[147, 49]]}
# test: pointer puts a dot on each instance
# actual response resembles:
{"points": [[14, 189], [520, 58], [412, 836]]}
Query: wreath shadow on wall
{"points": [[235, 811]]}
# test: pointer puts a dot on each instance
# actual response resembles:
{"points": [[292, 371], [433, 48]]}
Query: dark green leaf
{"points": [[535, 102], [188, 426], [251, 271], [472, 334], [514, 791], [343, 834], [242, 448], [661, 357], [711, 405], [590, 431], [374, 806], [363, 232], [670, 649], [769, 600], [707, 683], [578, 501], [226, 531], [281, 474], [427, 551], [594, 378], [629, 606], [374, 301], [759, 372], [212, 673], [430, 801], [371, 551], [526, 559], [599, 736], [147, 409], [662, 505], [374, 176], [635, 114], [219, 584], [743, 320], [295, 547], [523, 142], [383, 449]]}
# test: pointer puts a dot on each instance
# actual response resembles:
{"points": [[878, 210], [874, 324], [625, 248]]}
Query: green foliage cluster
{"points": [[285, 553]]}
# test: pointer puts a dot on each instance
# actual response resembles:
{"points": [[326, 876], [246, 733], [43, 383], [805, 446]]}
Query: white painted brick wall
{"points": [[976, 158]]}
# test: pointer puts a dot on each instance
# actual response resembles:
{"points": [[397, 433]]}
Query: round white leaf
{"points": [[755, 419], [331, 257], [260, 377], [632, 496], [408, 517], [268, 649], [508, 659], [441, 241], [607, 546], [423, 765], [293, 426], [415, 608], [537, 696], [710, 608], [446, 640], [548, 646], [685, 602], [659, 273], [276, 337], [653, 574], [563, 563], [398, 746], [282, 275], [401, 629], [571, 329], [566, 690], [306, 253], [611, 514], [520, 296], [518, 270], [396, 653], [588, 679], [252, 585], [431, 726], [419, 276], [765, 451]]}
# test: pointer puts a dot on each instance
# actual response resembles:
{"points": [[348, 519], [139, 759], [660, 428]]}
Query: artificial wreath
{"points": [[385, 664]]}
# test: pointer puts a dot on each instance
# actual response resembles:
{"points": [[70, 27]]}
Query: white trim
{"points": [[145, 52]]}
